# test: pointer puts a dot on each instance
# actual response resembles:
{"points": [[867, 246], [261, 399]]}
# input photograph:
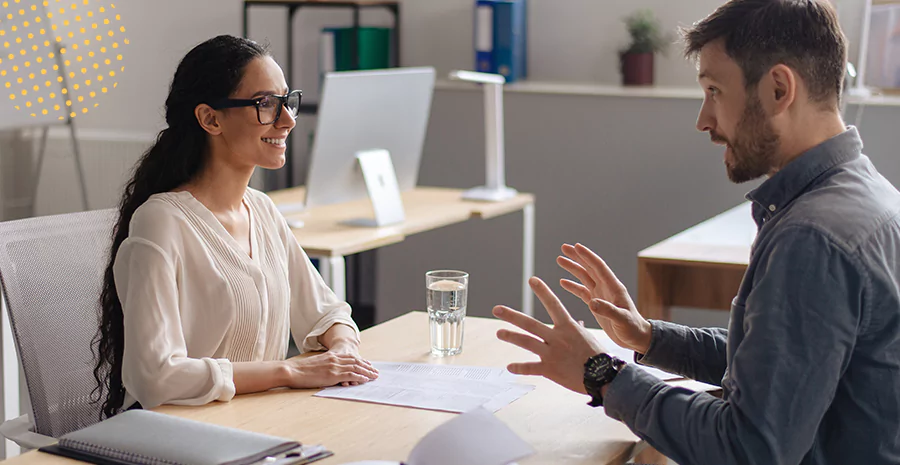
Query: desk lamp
{"points": [[495, 189]]}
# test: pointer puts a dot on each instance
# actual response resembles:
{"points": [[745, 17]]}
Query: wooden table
{"points": [[325, 235], [556, 422], [701, 267]]}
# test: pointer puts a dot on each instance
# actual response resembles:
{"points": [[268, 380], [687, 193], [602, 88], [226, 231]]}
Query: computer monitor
{"points": [[366, 110]]}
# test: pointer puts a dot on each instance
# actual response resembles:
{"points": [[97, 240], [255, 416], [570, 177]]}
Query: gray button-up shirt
{"points": [[810, 364]]}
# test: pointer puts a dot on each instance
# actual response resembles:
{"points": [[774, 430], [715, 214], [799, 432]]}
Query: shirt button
{"points": [[772, 208]]}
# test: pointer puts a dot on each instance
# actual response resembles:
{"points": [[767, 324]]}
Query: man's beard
{"points": [[754, 146]]}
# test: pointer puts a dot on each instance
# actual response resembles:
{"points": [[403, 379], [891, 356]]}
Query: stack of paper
{"points": [[435, 387]]}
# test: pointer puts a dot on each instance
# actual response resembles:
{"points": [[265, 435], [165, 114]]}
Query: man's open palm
{"points": [[563, 347]]}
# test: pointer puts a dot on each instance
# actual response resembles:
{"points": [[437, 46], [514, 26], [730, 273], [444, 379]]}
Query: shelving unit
{"points": [[612, 90], [355, 6]]}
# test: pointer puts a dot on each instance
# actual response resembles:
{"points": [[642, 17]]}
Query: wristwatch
{"points": [[600, 370]]}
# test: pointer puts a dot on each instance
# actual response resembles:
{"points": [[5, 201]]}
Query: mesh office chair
{"points": [[51, 270]]}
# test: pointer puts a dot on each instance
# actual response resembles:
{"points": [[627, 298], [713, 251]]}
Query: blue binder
{"points": [[484, 36], [501, 38]]}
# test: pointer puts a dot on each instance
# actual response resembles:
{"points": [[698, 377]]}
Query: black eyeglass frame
{"points": [[254, 102]]}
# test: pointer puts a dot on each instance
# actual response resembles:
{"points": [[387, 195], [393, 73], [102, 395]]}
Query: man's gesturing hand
{"points": [[563, 347]]}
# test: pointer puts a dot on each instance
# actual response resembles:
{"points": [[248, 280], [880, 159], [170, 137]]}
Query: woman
{"points": [[205, 279]]}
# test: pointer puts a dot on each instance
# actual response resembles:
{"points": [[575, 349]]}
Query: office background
{"points": [[615, 171]]}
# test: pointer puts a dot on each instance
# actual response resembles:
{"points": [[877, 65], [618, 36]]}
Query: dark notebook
{"points": [[142, 437]]}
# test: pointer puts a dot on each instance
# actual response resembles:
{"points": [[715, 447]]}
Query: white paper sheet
{"points": [[435, 387], [628, 355], [451, 371], [473, 438]]}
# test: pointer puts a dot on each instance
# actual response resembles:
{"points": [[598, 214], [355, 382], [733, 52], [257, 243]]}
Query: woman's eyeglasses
{"points": [[268, 107]]}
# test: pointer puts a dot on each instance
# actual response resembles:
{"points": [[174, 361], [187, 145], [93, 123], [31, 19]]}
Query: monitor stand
{"points": [[384, 192]]}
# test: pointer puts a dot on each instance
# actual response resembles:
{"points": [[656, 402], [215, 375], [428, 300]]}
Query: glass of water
{"points": [[446, 294]]}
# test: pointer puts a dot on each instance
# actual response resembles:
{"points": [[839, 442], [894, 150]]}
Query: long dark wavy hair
{"points": [[210, 71]]}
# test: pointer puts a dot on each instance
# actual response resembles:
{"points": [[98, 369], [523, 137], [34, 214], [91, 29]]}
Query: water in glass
{"points": [[446, 311]]}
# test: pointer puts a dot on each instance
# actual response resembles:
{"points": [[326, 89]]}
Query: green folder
{"points": [[374, 48]]}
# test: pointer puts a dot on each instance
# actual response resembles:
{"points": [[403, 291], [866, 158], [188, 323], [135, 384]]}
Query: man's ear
{"points": [[208, 119], [783, 90]]}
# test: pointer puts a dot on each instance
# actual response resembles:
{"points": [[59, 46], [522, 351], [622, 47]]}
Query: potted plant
{"points": [[646, 40]]}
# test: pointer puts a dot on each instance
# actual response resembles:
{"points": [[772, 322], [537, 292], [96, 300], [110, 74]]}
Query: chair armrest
{"points": [[19, 431]]}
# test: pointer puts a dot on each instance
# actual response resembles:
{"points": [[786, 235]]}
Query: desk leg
{"points": [[10, 379], [654, 290], [334, 272], [527, 258]]}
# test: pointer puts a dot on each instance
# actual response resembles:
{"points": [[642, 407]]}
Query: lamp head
{"points": [[473, 76]]}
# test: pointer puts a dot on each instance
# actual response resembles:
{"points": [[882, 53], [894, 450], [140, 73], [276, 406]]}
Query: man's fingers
{"points": [[569, 251], [604, 309], [577, 270], [522, 320], [526, 368], [524, 341], [595, 264], [555, 308], [576, 289]]}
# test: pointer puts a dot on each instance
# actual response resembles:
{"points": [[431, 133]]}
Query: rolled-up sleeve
{"points": [[800, 324], [156, 368]]}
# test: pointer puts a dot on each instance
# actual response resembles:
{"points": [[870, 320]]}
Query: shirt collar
{"points": [[788, 183]]}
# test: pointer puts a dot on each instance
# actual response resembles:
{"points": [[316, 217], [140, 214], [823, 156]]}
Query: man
{"points": [[810, 364]]}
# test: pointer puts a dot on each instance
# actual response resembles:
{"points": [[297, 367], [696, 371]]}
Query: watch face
{"points": [[600, 369], [597, 367], [598, 364]]}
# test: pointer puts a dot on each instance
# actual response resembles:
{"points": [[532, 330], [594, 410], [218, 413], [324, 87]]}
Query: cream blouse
{"points": [[194, 302]]}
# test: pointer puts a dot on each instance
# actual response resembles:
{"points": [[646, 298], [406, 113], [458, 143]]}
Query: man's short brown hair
{"points": [[759, 34]]}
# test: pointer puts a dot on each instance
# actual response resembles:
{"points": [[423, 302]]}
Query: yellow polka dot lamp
{"points": [[59, 58]]}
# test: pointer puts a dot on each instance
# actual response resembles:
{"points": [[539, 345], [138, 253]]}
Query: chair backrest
{"points": [[51, 270]]}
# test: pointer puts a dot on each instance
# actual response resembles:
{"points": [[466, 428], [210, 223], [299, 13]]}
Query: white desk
{"points": [[325, 236]]}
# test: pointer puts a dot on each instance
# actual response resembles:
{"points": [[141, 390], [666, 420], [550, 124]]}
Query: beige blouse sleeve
{"points": [[156, 369], [314, 306]]}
